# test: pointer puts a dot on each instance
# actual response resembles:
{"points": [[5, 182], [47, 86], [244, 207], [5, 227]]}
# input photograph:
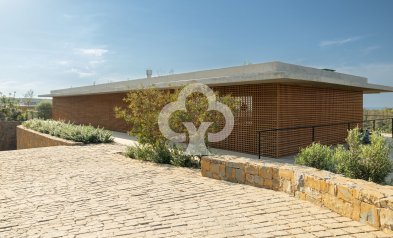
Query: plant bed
{"points": [[69, 131], [27, 139]]}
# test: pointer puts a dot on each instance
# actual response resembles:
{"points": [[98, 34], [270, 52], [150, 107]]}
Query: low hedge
{"points": [[69, 131], [363, 159]]}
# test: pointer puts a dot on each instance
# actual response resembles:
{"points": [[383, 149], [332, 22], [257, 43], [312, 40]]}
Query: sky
{"points": [[47, 45]]}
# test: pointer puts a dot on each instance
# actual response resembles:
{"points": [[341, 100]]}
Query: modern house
{"points": [[272, 95]]}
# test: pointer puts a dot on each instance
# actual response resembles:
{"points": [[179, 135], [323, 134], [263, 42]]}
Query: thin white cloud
{"points": [[64, 62], [380, 73], [339, 42], [96, 62], [96, 52], [370, 49], [81, 73]]}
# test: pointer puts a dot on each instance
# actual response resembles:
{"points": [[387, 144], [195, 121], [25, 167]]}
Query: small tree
{"points": [[44, 110], [9, 109], [28, 97], [145, 105]]}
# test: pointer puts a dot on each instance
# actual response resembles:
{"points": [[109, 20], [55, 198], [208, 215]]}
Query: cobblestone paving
{"points": [[93, 191]]}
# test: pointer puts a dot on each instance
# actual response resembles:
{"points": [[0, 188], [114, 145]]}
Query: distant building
{"points": [[273, 95]]}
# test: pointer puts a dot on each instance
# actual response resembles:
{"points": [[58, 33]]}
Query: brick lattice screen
{"points": [[262, 106], [270, 106]]}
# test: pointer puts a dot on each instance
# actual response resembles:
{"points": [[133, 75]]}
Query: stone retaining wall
{"points": [[27, 138], [8, 135], [359, 200]]}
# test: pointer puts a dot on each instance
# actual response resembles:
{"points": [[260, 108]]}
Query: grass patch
{"points": [[69, 131]]}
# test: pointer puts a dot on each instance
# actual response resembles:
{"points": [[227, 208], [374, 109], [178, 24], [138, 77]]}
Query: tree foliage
{"points": [[44, 110], [10, 110], [144, 106]]}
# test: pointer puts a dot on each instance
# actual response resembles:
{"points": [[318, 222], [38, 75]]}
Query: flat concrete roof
{"points": [[272, 72]]}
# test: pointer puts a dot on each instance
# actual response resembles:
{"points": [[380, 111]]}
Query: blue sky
{"points": [[46, 45]]}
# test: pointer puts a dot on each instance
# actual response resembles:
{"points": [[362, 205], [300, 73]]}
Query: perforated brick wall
{"points": [[262, 106], [270, 106]]}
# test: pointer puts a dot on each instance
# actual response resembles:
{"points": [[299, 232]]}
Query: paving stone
{"points": [[94, 191]]}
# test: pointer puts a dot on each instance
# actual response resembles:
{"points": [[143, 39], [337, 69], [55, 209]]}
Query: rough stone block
{"points": [[266, 172], [386, 218], [344, 192], [371, 196], [386, 203], [215, 168], [312, 182], [240, 175], [237, 165], [314, 195], [286, 186], [205, 165], [286, 174], [276, 184], [356, 210], [250, 179], [369, 214], [251, 169], [326, 186], [337, 205], [275, 174], [268, 183], [258, 181], [222, 171], [230, 174]]}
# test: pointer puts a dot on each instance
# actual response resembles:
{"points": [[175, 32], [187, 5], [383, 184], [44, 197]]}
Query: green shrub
{"points": [[346, 162], [141, 152], [316, 155], [162, 154], [69, 131], [44, 110], [179, 158], [374, 162], [10, 110], [370, 161]]}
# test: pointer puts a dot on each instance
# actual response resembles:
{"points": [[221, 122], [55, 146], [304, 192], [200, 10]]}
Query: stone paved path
{"points": [[92, 191]]}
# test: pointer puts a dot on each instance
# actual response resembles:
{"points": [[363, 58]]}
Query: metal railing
{"points": [[313, 127]]}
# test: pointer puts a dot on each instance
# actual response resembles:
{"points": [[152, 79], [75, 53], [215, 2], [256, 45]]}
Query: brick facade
{"points": [[96, 110], [264, 106]]}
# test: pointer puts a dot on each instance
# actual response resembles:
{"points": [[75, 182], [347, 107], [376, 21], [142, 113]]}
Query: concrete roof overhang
{"points": [[274, 72]]}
